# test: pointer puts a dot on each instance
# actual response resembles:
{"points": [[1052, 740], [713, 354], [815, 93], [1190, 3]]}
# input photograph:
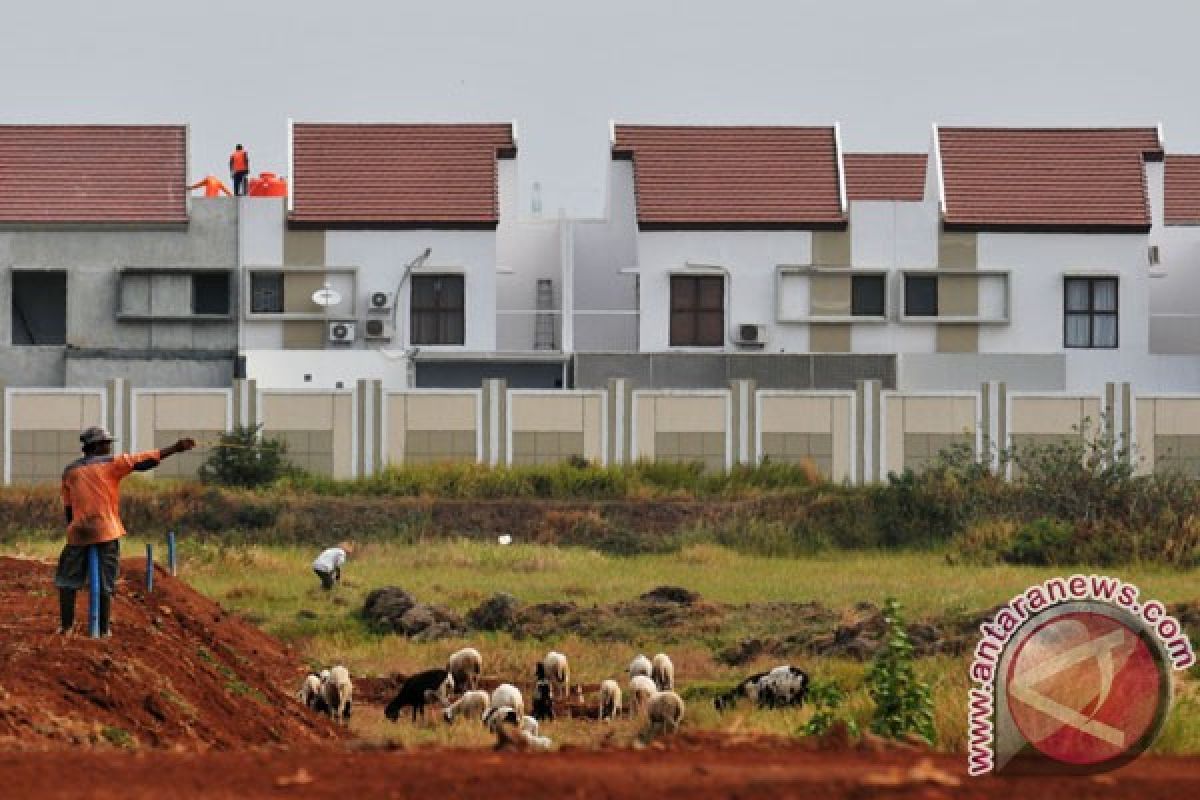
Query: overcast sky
{"points": [[235, 71]]}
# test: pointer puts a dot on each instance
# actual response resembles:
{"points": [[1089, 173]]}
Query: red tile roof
{"points": [[742, 177], [356, 175], [885, 176], [1182, 190], [93, 174], [1046, 178]]}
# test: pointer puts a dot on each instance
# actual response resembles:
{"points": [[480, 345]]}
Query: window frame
{"points": [[276, 275], [414, 311], [923, 277], [228, 301], [872, 314], [66, 280], [1091, 313], [697, 310]]}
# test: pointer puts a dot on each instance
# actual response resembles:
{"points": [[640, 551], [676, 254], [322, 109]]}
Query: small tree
{"points": [[903, 704], [241, 458]]}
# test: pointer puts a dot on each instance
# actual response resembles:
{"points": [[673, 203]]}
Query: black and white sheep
{"points": [[508, 695], [662, 672], [470, 706], [497, 715], [783, 686], [664, 713], [558, 672], [337, 692], [543, 694], [466, 666], [641, 689], [640, 666], [610, 699], [310, 690], [433, 686]]}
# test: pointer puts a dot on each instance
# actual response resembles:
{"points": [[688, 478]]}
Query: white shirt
{"points": [[329, 560]]}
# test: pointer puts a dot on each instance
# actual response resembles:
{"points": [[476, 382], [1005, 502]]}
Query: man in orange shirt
{"points": [[91, 498], [212, 186], [239, 168]]}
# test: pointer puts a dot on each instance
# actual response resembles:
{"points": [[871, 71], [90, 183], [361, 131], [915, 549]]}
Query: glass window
{"points": [[39, 308], [920, 295], [437, 310], [266, 292], [697, 311], [1090, 312], [867, 295], [210, 293]]}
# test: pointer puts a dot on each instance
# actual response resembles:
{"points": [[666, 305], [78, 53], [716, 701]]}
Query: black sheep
{"points": [[543, 696], [420, 690]]}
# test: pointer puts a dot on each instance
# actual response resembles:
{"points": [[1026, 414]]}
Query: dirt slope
{"points": [[178, 672]]}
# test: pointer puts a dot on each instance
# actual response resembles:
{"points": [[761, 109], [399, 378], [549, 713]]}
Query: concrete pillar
{"points": [[495, 421], [245, 403], [743, 420], [116, 416], [377, 398], [1127, 441], [362, 427], [868, 431], [6, 424], [620, 410]]}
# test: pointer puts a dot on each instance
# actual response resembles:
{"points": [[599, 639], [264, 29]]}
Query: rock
{"points": [[671, 594], [384, 607], [497, 613], [426, 623]]}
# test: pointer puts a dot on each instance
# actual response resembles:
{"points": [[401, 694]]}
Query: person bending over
{"points": [[328, 565]]}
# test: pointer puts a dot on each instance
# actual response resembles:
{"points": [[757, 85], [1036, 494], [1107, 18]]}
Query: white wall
{"points": [[599, 250], [286, 369]]}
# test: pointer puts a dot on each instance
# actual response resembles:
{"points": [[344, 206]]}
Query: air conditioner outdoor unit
{"points": [[378, 330], [381, 302], [341, 332], [751, 335]]}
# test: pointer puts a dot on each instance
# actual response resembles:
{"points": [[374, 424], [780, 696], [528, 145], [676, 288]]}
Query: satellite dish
{"points": [[326, 296]]}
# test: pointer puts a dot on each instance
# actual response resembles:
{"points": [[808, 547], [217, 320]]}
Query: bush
{"points": [[903, 704], [985, 542], [242, 458], [826, 698], [1043, 542]]}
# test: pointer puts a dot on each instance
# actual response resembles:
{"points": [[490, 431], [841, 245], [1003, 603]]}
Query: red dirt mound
{"points": [[179, 671]]}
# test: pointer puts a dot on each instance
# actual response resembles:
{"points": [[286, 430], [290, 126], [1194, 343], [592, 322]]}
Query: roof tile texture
{"points": [[1047, 177], [742, 176], [397, 174], [1182, 190], [885, 176], [93, 174]]}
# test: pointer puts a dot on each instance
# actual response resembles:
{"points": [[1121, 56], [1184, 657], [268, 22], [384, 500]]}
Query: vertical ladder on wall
{"points": [[543, 326]]}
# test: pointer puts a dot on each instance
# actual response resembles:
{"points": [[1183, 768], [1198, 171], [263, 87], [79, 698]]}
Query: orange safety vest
{"points": [[90, 490], [239, 161], [213, 186]]}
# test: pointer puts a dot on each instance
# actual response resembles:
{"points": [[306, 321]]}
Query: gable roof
{"points": [[1042, 179], [733, 177], [885, 176], [93, 174], [1182, 190], [397, 175]]}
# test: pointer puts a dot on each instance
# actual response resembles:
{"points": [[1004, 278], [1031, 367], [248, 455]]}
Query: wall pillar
{"points": [[743, 420], [117, 412], [619, 419], [495, 421], [868, 431]]}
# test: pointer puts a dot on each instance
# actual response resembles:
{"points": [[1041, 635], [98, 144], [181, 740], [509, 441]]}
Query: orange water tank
{"points": [[267, 184]]}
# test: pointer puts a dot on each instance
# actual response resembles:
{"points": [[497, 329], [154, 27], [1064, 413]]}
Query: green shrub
{"points": [[986, 541], [1043, 542], [903, 704], [242, 458], [826, 697]]}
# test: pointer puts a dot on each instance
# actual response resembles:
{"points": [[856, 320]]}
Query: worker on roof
{"points": [[239, 168], [91, 498], [212, 186]]}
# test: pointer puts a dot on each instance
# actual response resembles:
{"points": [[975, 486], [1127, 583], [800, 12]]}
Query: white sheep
{"points": [[466, 666], [529, 725], [338, 691], [610, 699], [508, 695], [310, 690], [662, 672], [640, 666], [664, 713], [471, 705], [538, 744], [641, 688], [494, 715], [558, 672]]}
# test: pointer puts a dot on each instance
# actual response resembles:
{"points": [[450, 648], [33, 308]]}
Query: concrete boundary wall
{"points": [[42, 426], [157, 417], [916, 427], [683, 425], [552, 425], [821, 427], [320, 427], [413, 422]]}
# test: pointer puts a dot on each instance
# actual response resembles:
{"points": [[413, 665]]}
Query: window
{"points": [[1090, 315], [266, 292], [697, 311], [866, 295], [39, 308], [920, 296], [437, 309], [210, 293]]}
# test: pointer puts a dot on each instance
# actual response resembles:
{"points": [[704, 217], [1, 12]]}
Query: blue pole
{"points": [[171, 552], [149, 568], [93, 556]]}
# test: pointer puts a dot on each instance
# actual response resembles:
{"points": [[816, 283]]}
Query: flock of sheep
{"points": [[651, 693]]}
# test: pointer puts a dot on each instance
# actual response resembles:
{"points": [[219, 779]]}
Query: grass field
{"points": [[274, 587]]}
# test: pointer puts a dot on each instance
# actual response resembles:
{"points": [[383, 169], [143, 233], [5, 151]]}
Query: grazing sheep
{"points": [[662, 672], [610, 699], [782, 686], [310, 690], [466, 666], [641, 688], [424, 688], [543, 695], [558, 672], [496, 716], [529, 725], [510, 737], [337, 692], [664, 712], [471, 705], [640, 666], [748, 687], [508, 695]]}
